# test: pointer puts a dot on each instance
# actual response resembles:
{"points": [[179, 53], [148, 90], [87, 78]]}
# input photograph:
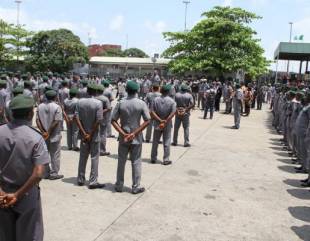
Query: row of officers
{"points": [[28, 154], [291, 110]]}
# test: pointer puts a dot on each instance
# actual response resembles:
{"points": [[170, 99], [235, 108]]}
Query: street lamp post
{"points": [[18, 2], [186, 2], [291, 31]]}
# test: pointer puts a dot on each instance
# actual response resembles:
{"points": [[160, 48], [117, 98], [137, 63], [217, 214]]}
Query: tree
{"points": [[56, 50], [135, 52], [13, 42], [113, 52], [223, 42]]}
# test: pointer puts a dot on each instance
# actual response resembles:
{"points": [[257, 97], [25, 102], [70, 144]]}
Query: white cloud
{"points": [[228, 3], [117, 23], [157, 27]]}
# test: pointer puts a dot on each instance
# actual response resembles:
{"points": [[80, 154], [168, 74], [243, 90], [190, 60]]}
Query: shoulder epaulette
{"points": [[36, 130]]}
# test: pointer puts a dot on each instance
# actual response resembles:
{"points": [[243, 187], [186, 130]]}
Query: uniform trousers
{"points": [[24, 221], [91, 148], [166, 133], [184, 120], [134, 152]]}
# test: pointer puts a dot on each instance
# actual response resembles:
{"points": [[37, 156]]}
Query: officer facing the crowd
{"points": [[23, 157]]}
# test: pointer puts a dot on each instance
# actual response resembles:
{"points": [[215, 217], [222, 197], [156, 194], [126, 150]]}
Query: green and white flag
{"points": [[299, 37]]}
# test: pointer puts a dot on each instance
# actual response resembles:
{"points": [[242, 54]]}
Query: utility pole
{"points": [[18, 2], [291, 32], [186, 2]]}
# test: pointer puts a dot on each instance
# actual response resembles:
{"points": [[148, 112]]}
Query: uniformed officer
{"points": [[106, 108], [163, 109], [210, 102], [3, 100], [109, 94], [237, 105], [83, 89], [15, 92], [23, 156], [70, 105], [88, 117], [49, 118], [130, 110], [185, 103], [28, 88], [149, 100]]}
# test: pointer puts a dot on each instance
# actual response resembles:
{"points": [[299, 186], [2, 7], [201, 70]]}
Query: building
{"points": [[121, 66], [96, 49]]}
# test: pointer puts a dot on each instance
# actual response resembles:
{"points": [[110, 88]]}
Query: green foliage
{"points": [[56, 50], [135, 52], [221, 43], [132, 52], [112, 53], [13, 42]]}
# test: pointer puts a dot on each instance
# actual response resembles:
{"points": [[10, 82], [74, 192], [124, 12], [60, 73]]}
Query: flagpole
{"points": [[291, 31]]}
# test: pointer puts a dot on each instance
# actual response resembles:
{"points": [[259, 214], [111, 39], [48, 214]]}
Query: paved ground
{"points": [[230, 185]]}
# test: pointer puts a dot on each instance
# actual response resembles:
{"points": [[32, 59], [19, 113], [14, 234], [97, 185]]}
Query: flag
{"points": [[299, 38]]}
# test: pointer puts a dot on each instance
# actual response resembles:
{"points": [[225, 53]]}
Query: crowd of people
{"points": [[87, 108], [291, 109]]}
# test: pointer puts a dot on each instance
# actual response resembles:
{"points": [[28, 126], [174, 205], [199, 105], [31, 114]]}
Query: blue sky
{"points": [[144, 20]]}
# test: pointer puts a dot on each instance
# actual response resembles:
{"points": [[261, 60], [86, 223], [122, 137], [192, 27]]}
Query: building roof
{"points": [[128, 60], [293, 51]]}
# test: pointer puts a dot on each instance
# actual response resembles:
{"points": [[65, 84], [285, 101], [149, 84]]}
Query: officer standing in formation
{"points": [[49, 118], [237, 105], [149, 101], [184, 102], [23, 158], [129, 111], [89, 115], [163, 109]]}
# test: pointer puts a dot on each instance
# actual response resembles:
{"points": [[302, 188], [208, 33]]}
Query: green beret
{"points": [[84, 81], [24, 77], [18, 90], [132, 85], [166, 88], [155, 85], [184, 87], [105, 83], [65, 82], [92, 86], [47, 88], [22, 102], [45, 78], [2, 82], [50, 93], [3, 77], [27, 83], [73, 91], [50, 74], [100, 88]]}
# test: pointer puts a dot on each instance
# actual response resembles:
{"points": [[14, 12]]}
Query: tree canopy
{"points": [[14, 42], [131, 52], [222, 42], [56, 50]]}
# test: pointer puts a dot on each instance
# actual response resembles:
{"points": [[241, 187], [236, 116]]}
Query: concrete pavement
{"points": [[230, 185]]}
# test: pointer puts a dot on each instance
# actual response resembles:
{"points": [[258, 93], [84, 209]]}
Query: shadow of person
{"points": [[70, 180], [292, 182], [64, 148], [302, 232], [277, 148], [283, 154], [286, 161], [111, 187], [303, 194], [289, 169], [301, 213], [228, 127]]}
